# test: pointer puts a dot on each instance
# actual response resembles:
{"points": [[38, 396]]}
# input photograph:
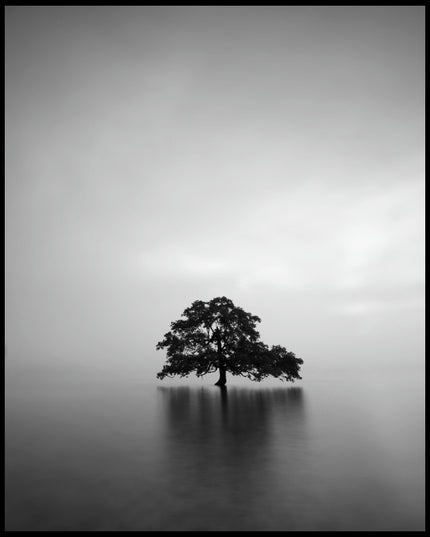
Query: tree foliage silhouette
{"points": [[217, 335]]}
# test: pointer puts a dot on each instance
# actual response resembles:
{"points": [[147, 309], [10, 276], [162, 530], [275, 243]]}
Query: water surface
{"points": [[121, 454]]}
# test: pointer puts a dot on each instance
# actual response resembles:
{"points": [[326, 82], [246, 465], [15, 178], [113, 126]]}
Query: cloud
{"points": [[273, 155], [306, 238]]}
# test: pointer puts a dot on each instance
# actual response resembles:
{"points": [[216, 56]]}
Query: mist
{"points": [[160, 155]]}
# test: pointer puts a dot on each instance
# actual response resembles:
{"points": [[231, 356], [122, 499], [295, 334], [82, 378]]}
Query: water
{"points": [[120, 454]]}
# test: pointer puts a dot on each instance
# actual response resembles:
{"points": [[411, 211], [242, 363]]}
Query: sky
{"points": [[157, 155]]}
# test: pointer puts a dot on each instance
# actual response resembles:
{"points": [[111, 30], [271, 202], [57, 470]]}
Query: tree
{"points": [[217, 335]]}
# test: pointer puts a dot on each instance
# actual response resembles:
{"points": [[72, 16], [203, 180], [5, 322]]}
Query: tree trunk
{"points": [[222, 376], [222, 368]]}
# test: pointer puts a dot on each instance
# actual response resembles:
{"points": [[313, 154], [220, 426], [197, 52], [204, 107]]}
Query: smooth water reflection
{"points": [[123, 456], [229, 451]]}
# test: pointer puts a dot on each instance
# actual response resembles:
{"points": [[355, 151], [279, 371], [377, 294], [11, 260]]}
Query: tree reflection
{"points": [[232, 446], [209, 413]]}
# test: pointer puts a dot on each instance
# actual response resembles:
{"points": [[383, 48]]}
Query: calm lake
{"points": [[121, 454]]}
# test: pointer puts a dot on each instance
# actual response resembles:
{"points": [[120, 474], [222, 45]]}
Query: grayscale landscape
{"points": [[160, 155]]}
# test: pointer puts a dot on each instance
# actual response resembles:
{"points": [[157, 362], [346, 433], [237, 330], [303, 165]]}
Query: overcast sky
{"points": [[159, 155]]}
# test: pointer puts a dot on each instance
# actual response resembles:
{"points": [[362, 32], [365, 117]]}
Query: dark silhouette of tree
{"points": [[217, 335]]}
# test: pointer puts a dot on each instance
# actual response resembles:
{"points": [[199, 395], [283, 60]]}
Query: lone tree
{"points": [[217, 335]]}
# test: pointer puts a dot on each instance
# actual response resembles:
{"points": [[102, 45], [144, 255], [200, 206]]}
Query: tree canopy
{"points": [[217, 335]]}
